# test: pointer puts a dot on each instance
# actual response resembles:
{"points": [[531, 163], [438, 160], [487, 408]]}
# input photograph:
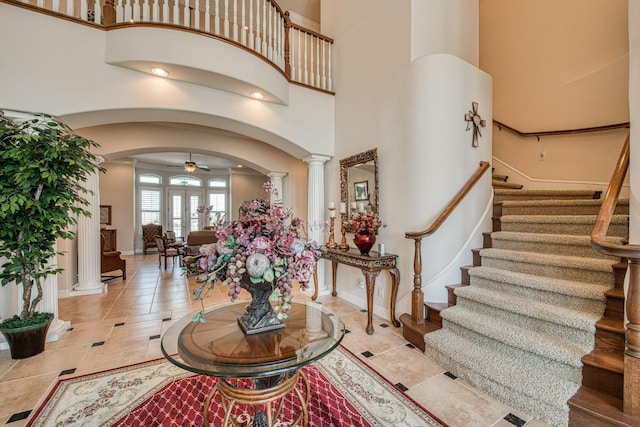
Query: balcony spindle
{"points": [[207, 16], [83, 10], [165, 11], [251, 32], [263, 48], [70, 7], [235, 21], [186, 14], [226, 18], [127, 11], [176, 13], [243, 27], [146, 11], [98, 12], [258, 28], [216, 17], [136, 11]]}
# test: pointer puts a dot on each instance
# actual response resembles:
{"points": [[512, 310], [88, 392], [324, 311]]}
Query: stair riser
{"points": [[548, 297], [464, 275], [549, 248], [618, 230], [560, 210], [561, 370], [559, 272], [609, 341], [603, 380], [451, 296], [581, 338], [614, 308], [501, 196]]}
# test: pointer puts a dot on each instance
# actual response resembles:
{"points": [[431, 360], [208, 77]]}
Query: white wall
{"points": [[394, 93]]}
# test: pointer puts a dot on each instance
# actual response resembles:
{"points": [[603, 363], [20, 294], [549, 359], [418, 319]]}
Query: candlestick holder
{"points": [[343, 228], [331, 244]]}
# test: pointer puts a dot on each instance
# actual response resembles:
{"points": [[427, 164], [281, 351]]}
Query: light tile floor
{"points": [[124, 326]]}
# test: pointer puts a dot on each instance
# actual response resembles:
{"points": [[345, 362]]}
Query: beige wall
{"points": [[245, 187], [555, 66], [116, 190]]}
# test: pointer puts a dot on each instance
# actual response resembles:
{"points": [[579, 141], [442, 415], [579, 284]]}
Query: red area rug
{"points": [[344, 392]]}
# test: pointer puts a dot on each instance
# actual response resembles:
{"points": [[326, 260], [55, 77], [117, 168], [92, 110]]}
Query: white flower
{"points": [[257, 264], [223, 249]]}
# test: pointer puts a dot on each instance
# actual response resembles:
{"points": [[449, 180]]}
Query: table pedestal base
{"points": [[266, 392]]}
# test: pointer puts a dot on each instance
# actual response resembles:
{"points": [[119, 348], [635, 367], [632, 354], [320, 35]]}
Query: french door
{"points": [[183, 211]]}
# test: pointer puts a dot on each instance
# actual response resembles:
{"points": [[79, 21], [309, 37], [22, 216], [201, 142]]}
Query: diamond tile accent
{"points": [[119, 324], [166, 319], [367, 353], [19, 416], [67, 372], [346, 331], [402, 387], [154, 337], [383, 325], [515, 420], [450, 375], [97, 344], [70, 329], [363, 310], [410, 345]]}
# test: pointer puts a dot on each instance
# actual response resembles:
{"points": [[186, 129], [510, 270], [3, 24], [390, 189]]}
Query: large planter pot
{"points": [[364, 241], [259, 315], [26, 341]]}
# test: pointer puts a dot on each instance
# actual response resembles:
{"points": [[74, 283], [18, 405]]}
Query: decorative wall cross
{"points": [[473, 119]]}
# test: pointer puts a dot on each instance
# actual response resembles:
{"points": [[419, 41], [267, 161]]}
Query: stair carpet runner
{"points": [[519, 330]]}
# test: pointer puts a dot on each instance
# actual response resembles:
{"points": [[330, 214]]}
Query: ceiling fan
{"points": [[191, 166]]}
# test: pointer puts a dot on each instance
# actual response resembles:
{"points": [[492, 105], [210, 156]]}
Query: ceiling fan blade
{"points": [[204, 168]]}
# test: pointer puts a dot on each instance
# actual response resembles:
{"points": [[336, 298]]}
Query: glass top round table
{"points": [[271, 360]]}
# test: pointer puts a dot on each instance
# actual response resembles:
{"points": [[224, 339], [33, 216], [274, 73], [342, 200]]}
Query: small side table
{"points": [[371, 265]]}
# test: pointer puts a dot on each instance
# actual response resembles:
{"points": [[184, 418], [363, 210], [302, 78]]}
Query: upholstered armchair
{"points": [[165, 251], [111, 261], [149, 234]]}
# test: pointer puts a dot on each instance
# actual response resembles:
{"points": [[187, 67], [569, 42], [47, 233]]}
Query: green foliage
{"points": [[16, 322], [43, 168]]}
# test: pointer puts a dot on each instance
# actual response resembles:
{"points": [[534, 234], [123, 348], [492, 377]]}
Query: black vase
{"points": [[259, 315], [26, 341]]}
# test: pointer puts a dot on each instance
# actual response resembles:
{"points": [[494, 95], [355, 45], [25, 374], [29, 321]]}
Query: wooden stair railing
{"points": [[417, 296], [631, 391]]}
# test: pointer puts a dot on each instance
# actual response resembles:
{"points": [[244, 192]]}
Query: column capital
{"points": [[276, 175], [317, 159]]}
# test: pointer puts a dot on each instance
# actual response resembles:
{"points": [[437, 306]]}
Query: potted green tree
{"points": [[43, 166]]}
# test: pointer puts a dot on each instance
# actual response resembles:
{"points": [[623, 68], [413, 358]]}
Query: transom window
{"points": [[185, 180]]}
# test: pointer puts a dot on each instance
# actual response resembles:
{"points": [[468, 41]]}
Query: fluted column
{"points": [[89, 281], [275, 178], [315, 209]]}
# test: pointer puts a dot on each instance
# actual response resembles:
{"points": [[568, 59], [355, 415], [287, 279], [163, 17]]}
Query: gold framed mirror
{"points": [[359, 182]]}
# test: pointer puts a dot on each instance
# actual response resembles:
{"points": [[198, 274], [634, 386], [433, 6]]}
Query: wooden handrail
{"points": [[417, 296], [631, 253], [501, 125], [451, 206]]}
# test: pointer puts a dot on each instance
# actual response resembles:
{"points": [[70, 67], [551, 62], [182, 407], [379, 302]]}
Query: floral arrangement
{"points": [[265, 245], [368, 222]]}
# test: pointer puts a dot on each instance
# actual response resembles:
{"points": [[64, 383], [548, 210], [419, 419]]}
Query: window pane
{"points": [[218, 183], [218, 201], [150, 206], [185, 180], [150, 179]]}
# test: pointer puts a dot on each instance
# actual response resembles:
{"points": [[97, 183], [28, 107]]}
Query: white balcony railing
{"points": [[258, 25]]}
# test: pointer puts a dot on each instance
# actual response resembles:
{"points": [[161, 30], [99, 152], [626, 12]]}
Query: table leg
{"points": [[370, 278], [395, 281], [315, 283], [334, 274]]}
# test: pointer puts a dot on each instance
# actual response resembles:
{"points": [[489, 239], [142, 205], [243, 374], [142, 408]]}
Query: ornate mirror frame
{"points": [[345, 164]]}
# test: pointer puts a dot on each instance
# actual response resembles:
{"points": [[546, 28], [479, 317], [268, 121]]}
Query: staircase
{"points": [[521, 324]]}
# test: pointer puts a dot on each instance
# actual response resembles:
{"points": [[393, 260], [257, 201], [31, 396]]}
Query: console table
{"points": [[371, 265]]}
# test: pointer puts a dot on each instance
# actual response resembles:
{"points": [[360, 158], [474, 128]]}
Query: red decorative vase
{"points": [[364, 240]]}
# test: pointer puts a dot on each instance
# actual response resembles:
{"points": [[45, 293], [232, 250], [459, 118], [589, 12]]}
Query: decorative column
{"points": [[315, 209], [275, 179], [89, 281]]}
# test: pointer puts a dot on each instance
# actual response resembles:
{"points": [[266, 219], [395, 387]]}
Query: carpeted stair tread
{"points": [[499, 367], [559, 207], [591, 270], [507, 194], [560, 244], [550, 347], [594, 291], [562, 224], [579, 320], [504, 184]]}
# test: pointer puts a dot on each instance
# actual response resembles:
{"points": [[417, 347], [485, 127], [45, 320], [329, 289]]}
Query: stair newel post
{"points": [[287, 45], [631, 400], [108, 12], [417, 296]]}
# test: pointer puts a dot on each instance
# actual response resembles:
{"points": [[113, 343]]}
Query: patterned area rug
{"points": [[344, 392]]}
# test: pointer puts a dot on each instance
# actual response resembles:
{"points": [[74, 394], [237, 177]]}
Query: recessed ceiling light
{"points": [[239, 166], [257, 95], [160, 72]]}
